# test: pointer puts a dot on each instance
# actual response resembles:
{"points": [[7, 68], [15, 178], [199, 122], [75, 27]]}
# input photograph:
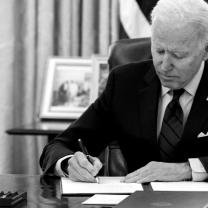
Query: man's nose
{"points": [[166, 63]]}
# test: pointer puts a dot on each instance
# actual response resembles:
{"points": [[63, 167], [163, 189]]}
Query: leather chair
{"points": [[122, 52], [125, 51]]}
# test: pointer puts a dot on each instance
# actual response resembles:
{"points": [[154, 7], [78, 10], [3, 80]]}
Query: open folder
{"points": [[105, 185]]}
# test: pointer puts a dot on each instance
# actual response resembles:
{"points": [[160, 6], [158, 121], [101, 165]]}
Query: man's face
{"points": [[176, 53]]}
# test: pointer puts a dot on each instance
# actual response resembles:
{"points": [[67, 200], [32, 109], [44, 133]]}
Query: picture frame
{"points": [[68, 88], [100, 72]]}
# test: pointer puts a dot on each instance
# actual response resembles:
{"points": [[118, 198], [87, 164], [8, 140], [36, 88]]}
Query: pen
{"points": [[84, 150]]}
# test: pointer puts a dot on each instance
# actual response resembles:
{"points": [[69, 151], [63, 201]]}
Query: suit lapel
{"points": [[149, 95], [148, 106], [199, 110]]}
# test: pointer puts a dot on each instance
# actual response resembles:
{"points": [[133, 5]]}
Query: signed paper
{"points": [[105, 185]]}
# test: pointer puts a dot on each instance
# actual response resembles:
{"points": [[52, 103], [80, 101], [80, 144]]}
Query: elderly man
{"points": [[157, 110]]}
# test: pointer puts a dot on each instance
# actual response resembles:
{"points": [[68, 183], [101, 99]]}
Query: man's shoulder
{"points": [[134, 69]]}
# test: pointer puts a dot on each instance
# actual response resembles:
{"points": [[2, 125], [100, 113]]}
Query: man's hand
{"points": [[160, 171], [80, 169]]}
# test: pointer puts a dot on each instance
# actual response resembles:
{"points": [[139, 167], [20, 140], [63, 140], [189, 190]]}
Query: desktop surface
{"points": [[41, 191], [44, 191]]}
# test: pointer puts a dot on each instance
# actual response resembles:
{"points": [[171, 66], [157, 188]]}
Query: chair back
{"points": [[123, 52]]}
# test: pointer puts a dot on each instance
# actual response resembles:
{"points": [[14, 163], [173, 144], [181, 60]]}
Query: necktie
{"points": [[172, 128]]}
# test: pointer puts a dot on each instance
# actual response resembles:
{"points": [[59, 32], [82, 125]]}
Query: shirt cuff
{"points": [[198, 171], [58, 170]]}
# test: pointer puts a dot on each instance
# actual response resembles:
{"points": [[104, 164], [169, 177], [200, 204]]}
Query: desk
{"points": [[44, 191], [41, 191], [43, 128]]}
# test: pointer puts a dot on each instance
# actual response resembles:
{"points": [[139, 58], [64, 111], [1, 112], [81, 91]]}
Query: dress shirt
{"points": [[186, 100], [58, 170]]}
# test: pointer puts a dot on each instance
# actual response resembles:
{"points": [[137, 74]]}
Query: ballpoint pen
{"points": [[84, 150]]}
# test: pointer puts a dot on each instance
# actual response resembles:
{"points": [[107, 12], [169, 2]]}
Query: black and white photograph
{"points": [[68, 88], [104, 103]]}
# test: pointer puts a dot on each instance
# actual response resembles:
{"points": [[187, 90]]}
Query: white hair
{"points": [[173, 12]]}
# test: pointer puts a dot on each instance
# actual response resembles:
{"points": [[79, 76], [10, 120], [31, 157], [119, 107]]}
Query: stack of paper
{"points": [[106, 185], [179, 186]]}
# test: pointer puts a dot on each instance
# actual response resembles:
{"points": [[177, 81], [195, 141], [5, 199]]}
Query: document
{"points": [[103, 199], [105, 185], [179, 186]]}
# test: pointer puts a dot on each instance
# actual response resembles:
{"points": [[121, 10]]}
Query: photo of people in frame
{"points": [[71, 88]]}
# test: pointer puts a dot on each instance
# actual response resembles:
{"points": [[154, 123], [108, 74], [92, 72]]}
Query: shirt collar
{"points": [[192, 86]]}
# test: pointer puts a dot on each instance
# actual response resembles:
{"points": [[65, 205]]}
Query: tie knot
{"points": [[177, 93]]}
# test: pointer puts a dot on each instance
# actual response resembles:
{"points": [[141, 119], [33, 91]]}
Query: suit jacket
{"points": [[127, 112]]}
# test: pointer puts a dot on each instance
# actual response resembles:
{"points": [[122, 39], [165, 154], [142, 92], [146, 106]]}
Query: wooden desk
{"points": [[41, 191], [43, 128]]}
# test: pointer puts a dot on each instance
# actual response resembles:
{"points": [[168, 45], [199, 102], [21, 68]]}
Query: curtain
{"points": [[32, 31]]}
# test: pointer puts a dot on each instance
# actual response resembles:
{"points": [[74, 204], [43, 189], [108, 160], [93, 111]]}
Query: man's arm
{"points": [[160, 171], [94, 127], [78, 168]]}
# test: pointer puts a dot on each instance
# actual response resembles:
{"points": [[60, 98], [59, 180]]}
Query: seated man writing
{"points": [[157, 110]]}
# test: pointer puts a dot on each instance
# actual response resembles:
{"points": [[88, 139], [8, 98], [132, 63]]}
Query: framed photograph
{"points": [[68, 89], [101, 72]]}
